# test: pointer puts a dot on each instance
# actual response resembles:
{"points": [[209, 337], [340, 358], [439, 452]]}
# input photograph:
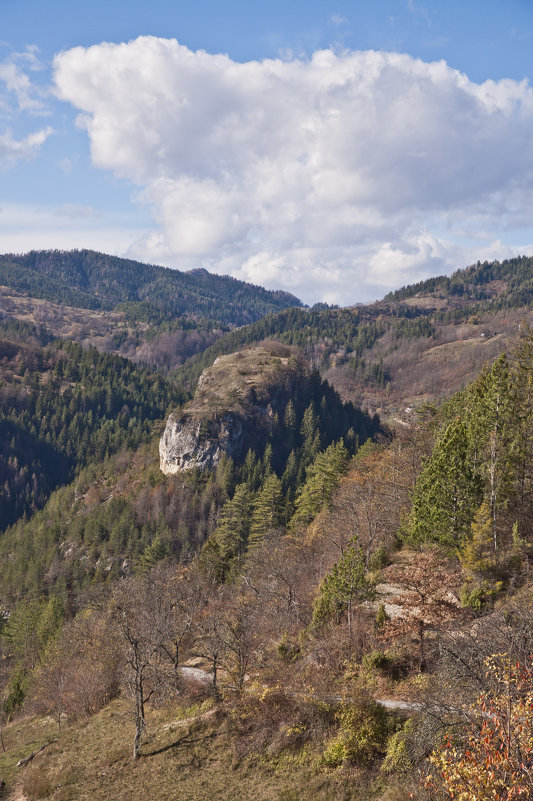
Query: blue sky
{"points": [[298, 160]]}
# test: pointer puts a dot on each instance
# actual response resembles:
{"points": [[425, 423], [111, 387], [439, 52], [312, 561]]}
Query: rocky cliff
{"points": [[186, 443], [234, 406]]}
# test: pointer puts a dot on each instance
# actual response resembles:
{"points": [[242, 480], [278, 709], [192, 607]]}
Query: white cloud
{"points": [[13, 150], [25, 227], [17, 83], [338, 19], [66, 164], [343, 175]]}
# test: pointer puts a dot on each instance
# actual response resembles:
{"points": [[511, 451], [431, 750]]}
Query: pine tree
{"points": [[477, 554], [344, 585], [448, 490], [249, 470], [266, 462], [268, 510], [291, 421], [322, 478], [309, 426], [232, 531], [152, 554], [290, 474]]}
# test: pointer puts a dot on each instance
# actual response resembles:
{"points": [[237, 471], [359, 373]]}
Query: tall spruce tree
{"points": [[232, 531], [322, 478], [268, 510], [448, 490], [344, 585]]}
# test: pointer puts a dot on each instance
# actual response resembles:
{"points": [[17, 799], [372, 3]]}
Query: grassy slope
{"points": [[198, 761]]}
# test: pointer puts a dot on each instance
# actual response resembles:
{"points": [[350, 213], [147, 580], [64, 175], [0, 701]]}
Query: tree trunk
{"points": [[215, 684], [421, 634], [140, 723]]}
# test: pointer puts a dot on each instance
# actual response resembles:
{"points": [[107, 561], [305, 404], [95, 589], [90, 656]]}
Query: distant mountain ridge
{"points": [[90, 280], [418, 343], [508, 283]]}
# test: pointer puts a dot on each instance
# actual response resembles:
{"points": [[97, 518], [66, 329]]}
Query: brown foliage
{"points": [[80, 672], [426, 601]]}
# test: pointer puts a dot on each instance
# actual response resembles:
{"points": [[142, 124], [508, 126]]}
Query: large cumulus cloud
{"points": [[336, 177]]}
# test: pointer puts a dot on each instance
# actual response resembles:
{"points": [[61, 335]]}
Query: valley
{"points": [[327, 511]]}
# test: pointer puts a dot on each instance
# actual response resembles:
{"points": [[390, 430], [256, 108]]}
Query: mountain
{"points": [[416, 345], [305, 615], [89, 280], [325, 658], [63, 407]]}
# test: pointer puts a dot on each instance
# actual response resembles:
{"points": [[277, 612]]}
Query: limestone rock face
{"points": [[233, 409], [187, 444]]}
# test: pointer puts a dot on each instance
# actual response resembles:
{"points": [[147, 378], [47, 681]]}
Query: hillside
{"points": [[90, 280], [330, 659], [64, 407], [417, 345], [155, 316], [320, 605], [114, 502]]}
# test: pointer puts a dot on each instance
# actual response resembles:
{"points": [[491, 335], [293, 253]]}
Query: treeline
{"points": [[471, 284], [318, 333], [92, 280], [63, 407], [475, 492]]}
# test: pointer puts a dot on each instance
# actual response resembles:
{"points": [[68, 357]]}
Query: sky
{"points": [[336, 150]]}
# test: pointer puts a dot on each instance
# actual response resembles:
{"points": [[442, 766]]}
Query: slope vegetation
{"points": [[89, 280]]}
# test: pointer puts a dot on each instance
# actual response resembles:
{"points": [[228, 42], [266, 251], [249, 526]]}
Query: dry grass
{"points": [[197, 760], [238, 381]]}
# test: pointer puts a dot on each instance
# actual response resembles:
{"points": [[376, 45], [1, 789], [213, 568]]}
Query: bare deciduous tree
{"points": [[426, 601]]}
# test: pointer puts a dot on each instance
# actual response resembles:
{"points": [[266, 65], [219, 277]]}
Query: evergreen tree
{"points": [[344, 585], [152, 554], [478, 552], [322, 478], [249, 470], [290, 474], [268, 510], [447, 492], [309, 426], [233, 528]]}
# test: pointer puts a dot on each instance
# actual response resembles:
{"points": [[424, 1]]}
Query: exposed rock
{"points": [[186, 443], [234, 405]]}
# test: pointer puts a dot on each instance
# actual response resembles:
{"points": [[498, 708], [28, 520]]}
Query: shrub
{"points": [[287, 649], [379, 559], [363, 734], [480, 596], [397, 755], [376, 660]]}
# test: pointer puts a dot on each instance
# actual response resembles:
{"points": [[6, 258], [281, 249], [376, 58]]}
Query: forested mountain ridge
{"points": [[63, 407], [503, 284], [91, 280], [326, 585], [416, 345]]}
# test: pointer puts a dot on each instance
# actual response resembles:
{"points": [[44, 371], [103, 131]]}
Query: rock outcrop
{"points": [[234, 406], [187, 444]]}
